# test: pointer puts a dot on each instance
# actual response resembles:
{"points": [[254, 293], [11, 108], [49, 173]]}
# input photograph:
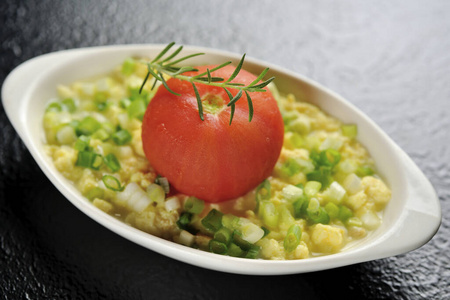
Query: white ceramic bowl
{"points": [[410, 220]]}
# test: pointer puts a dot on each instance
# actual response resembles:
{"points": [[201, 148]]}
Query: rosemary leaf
{"points": [[175, 53], [233, 108], [164, 51], [213, 69], [209, 75], [263, 73], [199, 102], [183, 58], [250, 107], [166, 86], [143, 83], [237, 70], [235, 98]]}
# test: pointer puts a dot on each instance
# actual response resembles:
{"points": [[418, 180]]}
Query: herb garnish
{"points": [[160, 65]]}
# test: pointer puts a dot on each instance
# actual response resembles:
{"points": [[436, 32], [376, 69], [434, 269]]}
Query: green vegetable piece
{"points": [[112, 183], [121, 137], [69, 104], [88, 126], [349, 130], [128, 66], [88, 159], [253, 252], [184, 220], [101, 134], [238, 240], [322, 175], [136, 109], [213, 220], [82, 143], [300, 206], [112, 162], [223, 235], [364, 171], [96, 192], [330, 157], [344, 213], [332, 210], [270, 214], [312, 188], [317, 214], [194, 205], [217, 247], [235, 251], [54, 106], [292, 239], [230, 221]]}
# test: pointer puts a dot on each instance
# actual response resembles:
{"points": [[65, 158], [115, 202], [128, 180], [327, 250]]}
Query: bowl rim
{"points": [[417, 223]]}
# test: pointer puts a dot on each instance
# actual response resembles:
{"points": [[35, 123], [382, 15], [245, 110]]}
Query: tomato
{"points": [[211, 159]]}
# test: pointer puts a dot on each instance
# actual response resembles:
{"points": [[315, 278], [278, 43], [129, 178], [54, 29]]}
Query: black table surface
{"points": [[389, 58]]}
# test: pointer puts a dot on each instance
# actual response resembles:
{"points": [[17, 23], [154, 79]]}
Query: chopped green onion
{"points": [[230, 221], [344, 213], [124, 103], [96, 192], [266, 231], [136, 109], [223, 235], [100, 134], [238, 240], [194, 205], [88, 159], [253, 252], [349, 130], [164, 183], [184, 220], [263, 191], [322, 175], [291, 193], [234, 250], [69, 104], [112, 183], [354, 221], [300, 206], [121, 137], [330, 157], [112, 162], [270, 214], [364, 171], [54, 106], [108, 127], [82, 143], [332, 210], [213, 220], [312, 188], [292, 239], [316, 213], [217, 247], [128, 66], [88, 126]]}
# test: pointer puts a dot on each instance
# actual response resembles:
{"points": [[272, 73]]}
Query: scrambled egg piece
{"points": [[377, 191], [327, 239]]}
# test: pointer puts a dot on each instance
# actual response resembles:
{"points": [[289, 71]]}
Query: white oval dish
{"points": [[410, 220]]}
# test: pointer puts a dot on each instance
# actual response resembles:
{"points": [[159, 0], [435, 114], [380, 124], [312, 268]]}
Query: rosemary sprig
{"points": [[163, 64]]}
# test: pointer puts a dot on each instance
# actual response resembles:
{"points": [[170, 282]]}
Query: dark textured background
{"points": [[389, 58]]}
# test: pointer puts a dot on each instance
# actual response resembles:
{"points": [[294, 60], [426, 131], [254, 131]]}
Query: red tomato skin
{"points": [[211, 159]]}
